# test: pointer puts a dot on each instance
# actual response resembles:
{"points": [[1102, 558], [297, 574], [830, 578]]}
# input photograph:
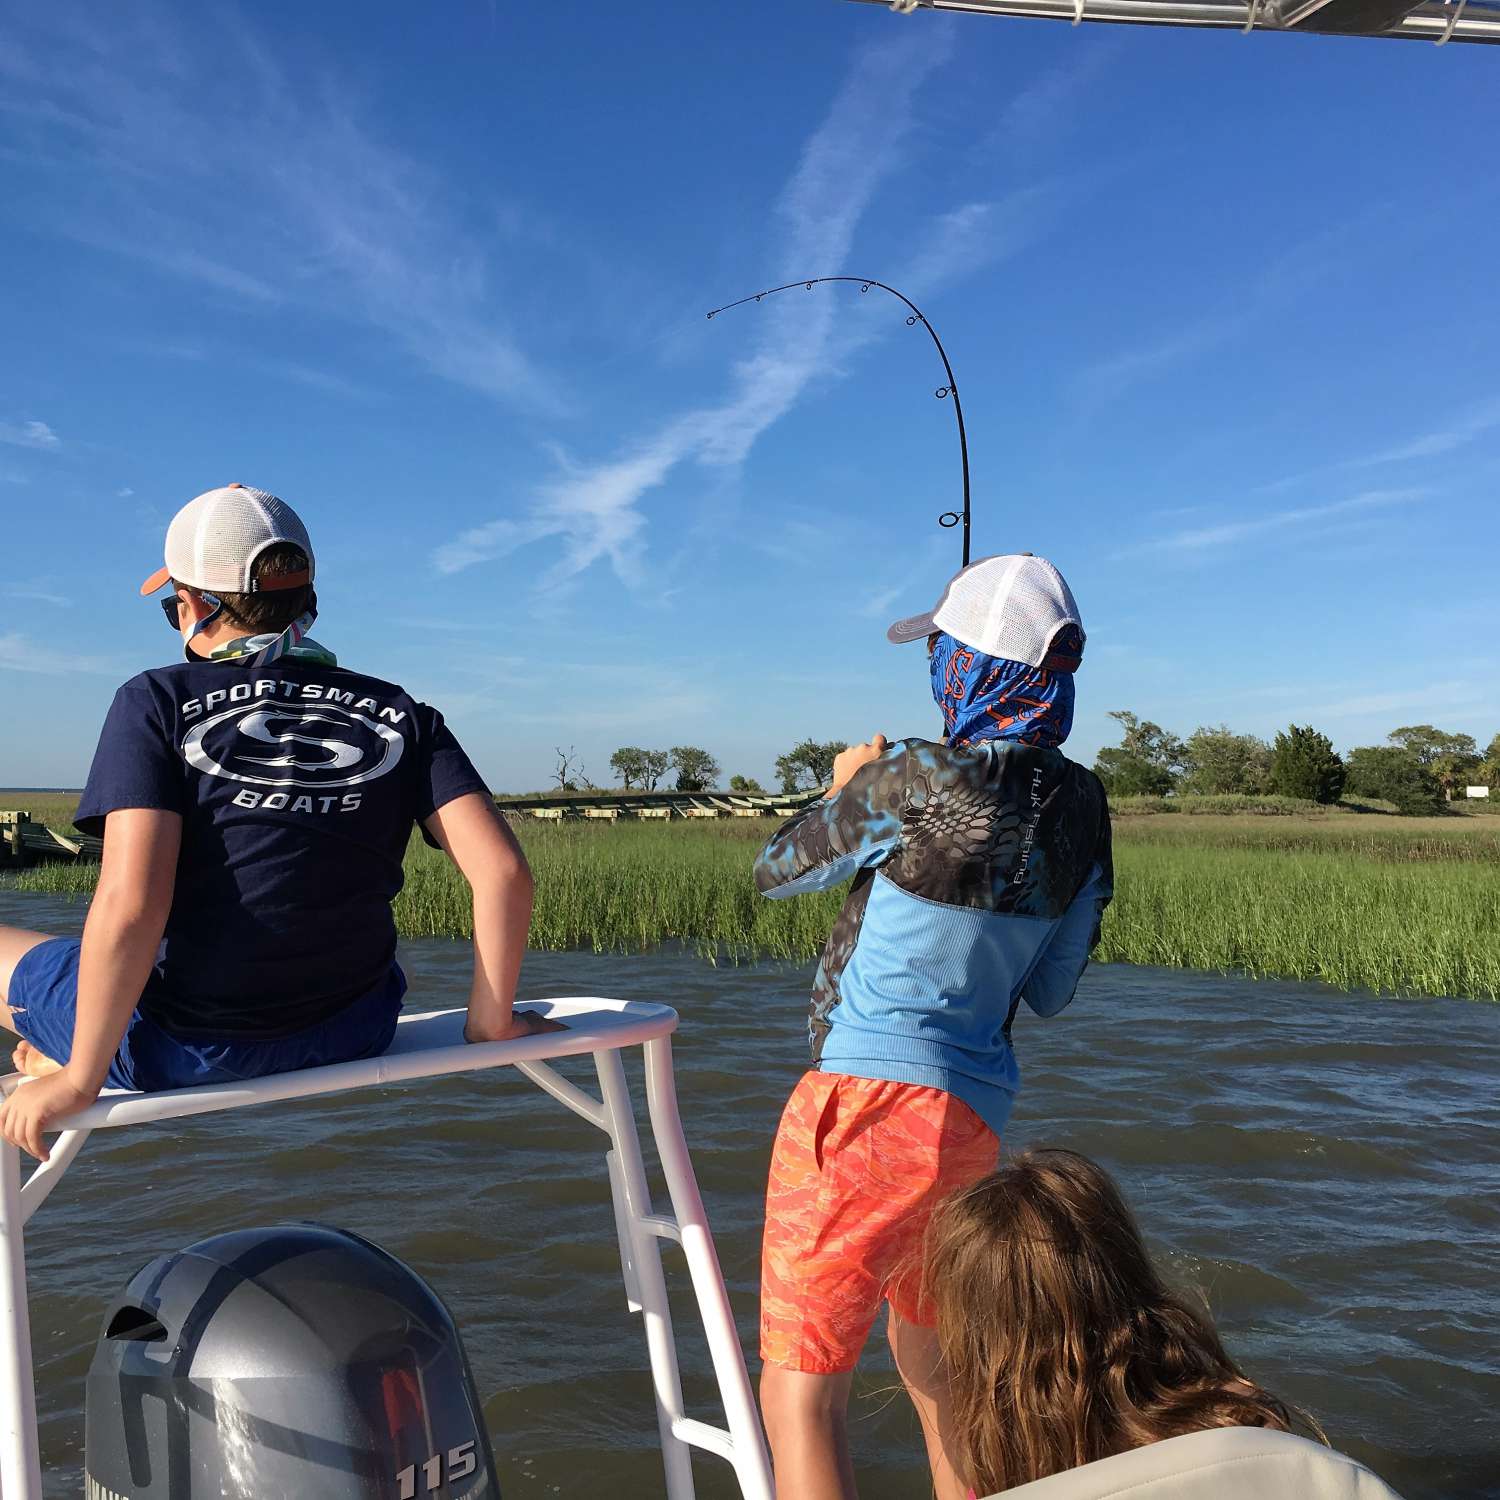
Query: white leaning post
{"points": [[426, 1046]]}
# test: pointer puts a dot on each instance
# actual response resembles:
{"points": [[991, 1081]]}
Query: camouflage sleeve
{"points": [[838, 836], [1054, 978], [1053, 981]]}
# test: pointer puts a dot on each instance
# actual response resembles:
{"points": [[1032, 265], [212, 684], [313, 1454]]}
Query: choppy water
{"points": [[1325, 1166]]}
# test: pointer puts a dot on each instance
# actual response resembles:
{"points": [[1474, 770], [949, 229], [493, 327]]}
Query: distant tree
{"points": [[1127, 775], [808, 765], [747, 784], [1454, 771], [1488, 773], [654, 764], [1145, 763], [1392, 774], [570, 774], [629, 764], [696, 769], [1218, 761], [1305, 764], [1427, 743]]}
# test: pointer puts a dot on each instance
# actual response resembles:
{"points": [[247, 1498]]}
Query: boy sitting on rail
{"points": [[981, 869], [255, 801]]}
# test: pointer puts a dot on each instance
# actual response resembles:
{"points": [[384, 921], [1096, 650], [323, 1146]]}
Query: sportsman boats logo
{"points": [[317, 746]]}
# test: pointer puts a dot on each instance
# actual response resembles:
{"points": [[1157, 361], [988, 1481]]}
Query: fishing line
{"points": [[949, 518]]}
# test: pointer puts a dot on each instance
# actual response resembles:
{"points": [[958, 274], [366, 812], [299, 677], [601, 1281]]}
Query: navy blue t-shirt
{"points": [[298, 785]]}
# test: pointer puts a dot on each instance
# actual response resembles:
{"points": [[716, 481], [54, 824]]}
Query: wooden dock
{"points": [[25, 842], [612, 807]]}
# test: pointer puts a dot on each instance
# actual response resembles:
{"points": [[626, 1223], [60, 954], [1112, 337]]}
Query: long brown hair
{"points": [[1060, 1343]]}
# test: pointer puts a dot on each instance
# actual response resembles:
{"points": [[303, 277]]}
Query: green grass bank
{"points": [[1361, 901]]}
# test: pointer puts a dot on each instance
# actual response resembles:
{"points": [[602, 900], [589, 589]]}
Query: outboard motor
{"points": [[294, 1362]]}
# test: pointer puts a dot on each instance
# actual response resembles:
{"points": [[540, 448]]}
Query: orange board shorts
{"points": [[858, 1167]]}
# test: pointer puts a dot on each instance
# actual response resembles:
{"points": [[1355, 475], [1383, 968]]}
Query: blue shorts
{"points": [[44, 1000]]}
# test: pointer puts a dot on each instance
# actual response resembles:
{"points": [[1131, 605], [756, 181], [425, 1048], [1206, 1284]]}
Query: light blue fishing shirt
{"points": [[980, 875]]}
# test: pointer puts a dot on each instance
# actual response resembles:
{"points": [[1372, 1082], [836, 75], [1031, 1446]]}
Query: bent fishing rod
{"points": [[949, 518]]}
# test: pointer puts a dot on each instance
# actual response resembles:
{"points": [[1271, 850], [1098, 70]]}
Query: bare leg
{"points": [[807, 1422], [15, 943], [917, 1360]]}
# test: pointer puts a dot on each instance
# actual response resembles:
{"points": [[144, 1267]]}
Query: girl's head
{"points": [[1060, 1343]]}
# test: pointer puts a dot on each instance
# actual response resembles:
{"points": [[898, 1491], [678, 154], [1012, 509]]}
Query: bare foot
{"points": [[32, 1063]]}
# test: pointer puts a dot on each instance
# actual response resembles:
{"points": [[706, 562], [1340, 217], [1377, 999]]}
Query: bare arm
{"points": [[125, 922], [479, 841]]}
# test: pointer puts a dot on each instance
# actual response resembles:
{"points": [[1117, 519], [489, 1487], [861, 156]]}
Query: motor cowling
{"points": [[294, 1362]]}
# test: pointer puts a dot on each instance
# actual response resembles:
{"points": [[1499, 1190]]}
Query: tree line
{"points": [[1416, 770], [805, 767]]}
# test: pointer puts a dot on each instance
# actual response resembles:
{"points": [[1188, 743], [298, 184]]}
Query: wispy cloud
{"points": [[791, 542], [301, 202], [292, 370], [19, 653], [1429, 696], [974, 235], [1202, 538], [1267, 289], [1462, 430], [454, 627], [594, 509], [1038, 116], [1111, 377], [40, 595], [30, 435], [915, 588], [124, 492], [1466, 426]]}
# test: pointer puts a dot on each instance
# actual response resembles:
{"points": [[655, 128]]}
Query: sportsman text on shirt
{"points": [[314, 749]]}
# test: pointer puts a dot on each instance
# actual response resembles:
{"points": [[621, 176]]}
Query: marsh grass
{"points": [[1385, 839], [1403, 905], [1411, 927]]}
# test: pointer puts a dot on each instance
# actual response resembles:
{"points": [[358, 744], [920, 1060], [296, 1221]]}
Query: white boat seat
{"points": [[426, 1045], [1224, 1463]]}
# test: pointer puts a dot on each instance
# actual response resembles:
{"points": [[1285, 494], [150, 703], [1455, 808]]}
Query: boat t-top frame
{"points": [[1439, 21], [427, 1046]]}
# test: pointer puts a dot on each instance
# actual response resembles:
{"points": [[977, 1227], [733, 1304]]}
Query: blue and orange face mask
{"points": [[991, 698]]}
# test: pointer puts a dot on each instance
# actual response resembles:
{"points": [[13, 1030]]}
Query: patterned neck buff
{"points": [[990, 698], [262, 650]]}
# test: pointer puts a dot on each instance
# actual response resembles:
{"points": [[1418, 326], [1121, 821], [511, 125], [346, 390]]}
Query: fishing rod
{"points": [[949, 518]]}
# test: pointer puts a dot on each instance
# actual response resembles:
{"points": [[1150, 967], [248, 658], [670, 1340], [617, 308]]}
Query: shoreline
{"points": [[1367, 903]]}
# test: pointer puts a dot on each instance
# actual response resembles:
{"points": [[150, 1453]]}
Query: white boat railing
{"points": [[427, 1046]]}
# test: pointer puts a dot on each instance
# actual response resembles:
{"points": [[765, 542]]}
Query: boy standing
{"points": [[255, 801], [981, 869]]}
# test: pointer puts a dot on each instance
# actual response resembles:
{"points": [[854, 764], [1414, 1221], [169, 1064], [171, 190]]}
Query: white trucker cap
{"points": [[1016, 606], [213, 542]]}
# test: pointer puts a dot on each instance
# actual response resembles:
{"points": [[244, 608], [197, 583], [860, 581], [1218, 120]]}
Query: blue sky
{"points": [[1222, 309]]}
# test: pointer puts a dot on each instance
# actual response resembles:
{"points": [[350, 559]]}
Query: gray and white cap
{"points": [[213, 542], [1016, 605]]}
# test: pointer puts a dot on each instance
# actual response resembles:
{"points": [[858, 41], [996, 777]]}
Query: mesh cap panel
{"points": [[213, 541], [1014, 606]]}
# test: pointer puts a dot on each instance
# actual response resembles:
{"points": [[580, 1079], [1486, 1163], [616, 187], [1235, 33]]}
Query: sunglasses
{"points": [[171, 607]]}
